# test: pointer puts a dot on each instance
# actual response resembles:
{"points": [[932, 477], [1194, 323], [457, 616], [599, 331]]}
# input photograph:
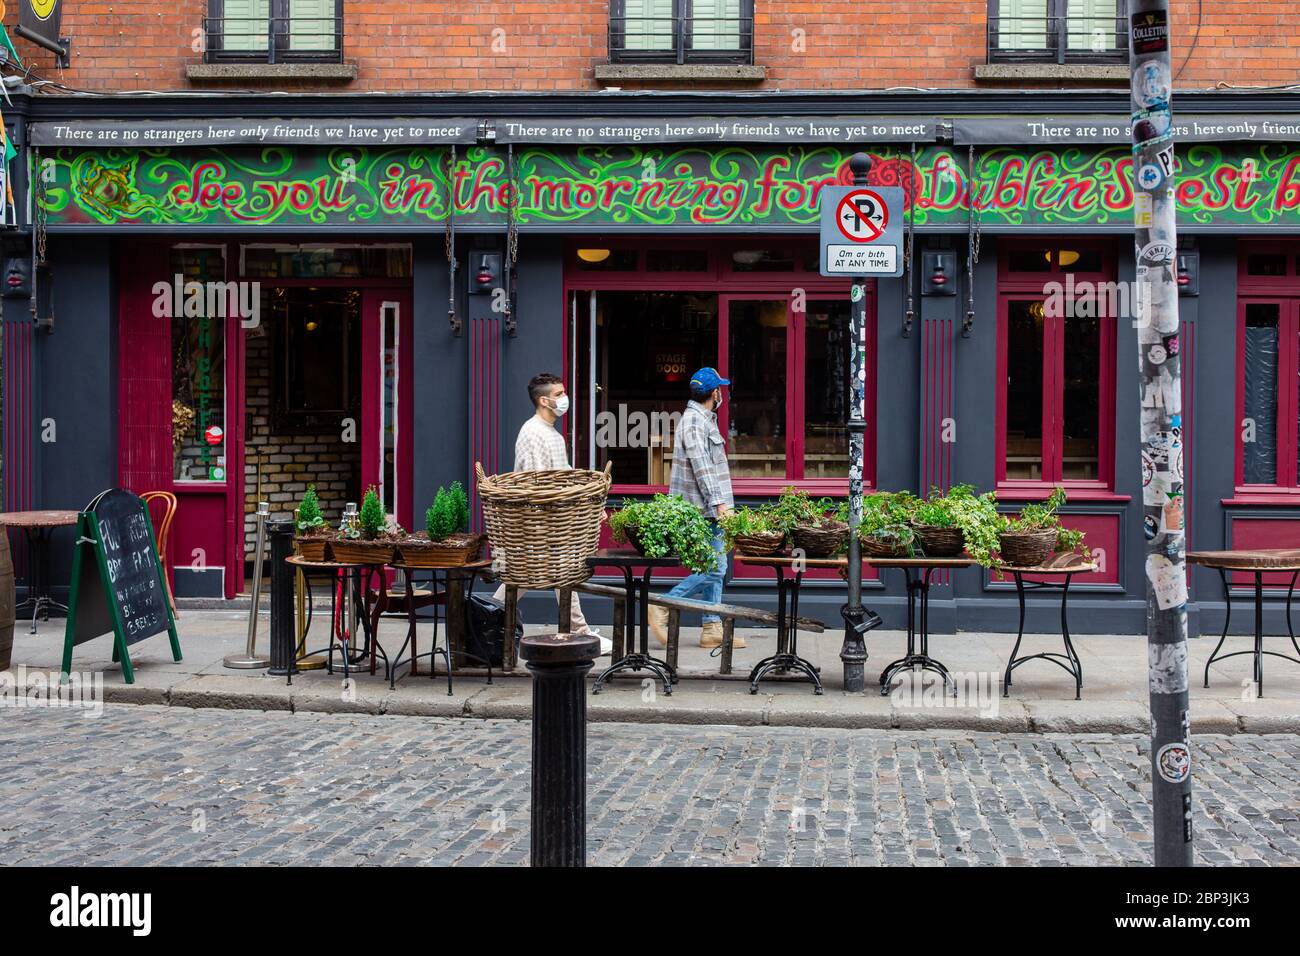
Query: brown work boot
{"points": [[736, 640], [711, 634], [658, 623]]}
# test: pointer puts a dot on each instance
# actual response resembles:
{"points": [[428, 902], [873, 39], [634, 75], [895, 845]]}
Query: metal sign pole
{"points": [[854, 651], [250, 659], [1160, 363]]}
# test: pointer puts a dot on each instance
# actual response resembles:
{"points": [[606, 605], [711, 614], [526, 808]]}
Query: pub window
{"points": [[1056, 367], [1269, 332], [787, 356], [274, 31], [681, 31], [1057, 30], [198, 344]]}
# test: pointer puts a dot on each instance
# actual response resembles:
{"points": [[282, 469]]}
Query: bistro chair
{"points": [[162, 529]]}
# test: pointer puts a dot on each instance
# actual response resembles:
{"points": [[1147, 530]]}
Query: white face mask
{"points": [[561, 405]]}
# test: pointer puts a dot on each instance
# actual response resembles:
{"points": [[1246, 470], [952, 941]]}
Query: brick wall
{"points": [[290, 462], [555, 44]]}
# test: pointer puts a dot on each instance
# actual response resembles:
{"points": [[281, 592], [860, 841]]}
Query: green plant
{"points": [[461, 502], [372, 518], [886, 518], [664, 525], [794, 509], [440, 517], [976, 516], [1039, 515], [309, 517], [745, 520]]}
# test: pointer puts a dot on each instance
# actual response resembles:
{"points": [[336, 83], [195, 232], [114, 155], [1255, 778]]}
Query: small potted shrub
{"points": [[446, 540], [947, 524], [886, 530], [754, 531], [1030, 538], [816, 528], [313, 532], [666, 525], [370, 539]]}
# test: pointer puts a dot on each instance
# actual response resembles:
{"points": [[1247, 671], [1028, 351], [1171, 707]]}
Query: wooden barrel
{"points": [[6, 601]]}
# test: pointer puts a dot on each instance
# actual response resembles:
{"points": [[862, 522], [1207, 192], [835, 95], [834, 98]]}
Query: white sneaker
{"points": [[606, 645]]}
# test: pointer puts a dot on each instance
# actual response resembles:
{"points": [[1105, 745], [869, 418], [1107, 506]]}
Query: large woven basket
{"points": [[1027, 549], [543, 525], [825, 540], [938, 541]]}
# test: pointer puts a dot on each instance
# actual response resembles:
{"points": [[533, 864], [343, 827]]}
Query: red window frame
{"points": [[1014, 285], [732, 285]]}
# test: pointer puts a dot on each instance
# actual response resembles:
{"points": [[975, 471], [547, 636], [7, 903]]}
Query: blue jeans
{"points": [[707, 585]]}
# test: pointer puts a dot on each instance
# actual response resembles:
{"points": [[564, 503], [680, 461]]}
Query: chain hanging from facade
{"points": [[449, 241], [512, 237], [972, 242], [909, 246]]}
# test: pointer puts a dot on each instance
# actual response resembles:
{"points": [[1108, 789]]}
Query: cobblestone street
{"points": [[147, 785]]}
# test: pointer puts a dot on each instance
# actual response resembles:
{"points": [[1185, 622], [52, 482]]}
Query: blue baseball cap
{"points": [[708, 379]]}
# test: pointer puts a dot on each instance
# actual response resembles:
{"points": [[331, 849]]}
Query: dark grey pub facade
{"points": [[238, 301]]}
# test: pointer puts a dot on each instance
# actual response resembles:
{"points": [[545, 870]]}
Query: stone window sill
{"points": [[613, 73], [254, 72], [1014, 72]]}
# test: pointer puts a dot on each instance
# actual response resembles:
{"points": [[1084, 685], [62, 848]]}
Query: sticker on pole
{"points": [[861, 231]]}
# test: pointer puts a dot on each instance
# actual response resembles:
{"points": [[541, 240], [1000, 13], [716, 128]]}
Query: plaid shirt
{"points": [[700, 471]]}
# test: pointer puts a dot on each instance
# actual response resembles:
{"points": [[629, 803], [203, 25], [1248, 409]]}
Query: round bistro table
{"points": [[1257, 562], [346, 640], [1064, 567], [37, 527]]}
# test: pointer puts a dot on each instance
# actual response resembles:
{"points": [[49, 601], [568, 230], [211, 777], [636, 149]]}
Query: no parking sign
{"points": [[861, 231]]}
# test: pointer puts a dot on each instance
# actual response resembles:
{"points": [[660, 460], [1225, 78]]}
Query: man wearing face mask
{"points": [[540, 447], [701, 476]]}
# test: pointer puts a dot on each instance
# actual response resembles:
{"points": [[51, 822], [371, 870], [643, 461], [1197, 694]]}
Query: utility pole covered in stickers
{"points": [[1162, 442]]}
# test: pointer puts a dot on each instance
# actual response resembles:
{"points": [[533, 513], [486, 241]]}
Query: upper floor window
{"points": [[1058, 31], [681, 31], [275, 31]]}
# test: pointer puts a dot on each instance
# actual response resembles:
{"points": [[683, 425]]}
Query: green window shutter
{"points": [[648, 24], [1022, 25], [311, 25], [1092, 26], [715, 24], [244, 24]]}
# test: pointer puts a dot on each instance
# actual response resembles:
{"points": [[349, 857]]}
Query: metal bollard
{"points": [[283, 632], [250, 658], [558, 663]]}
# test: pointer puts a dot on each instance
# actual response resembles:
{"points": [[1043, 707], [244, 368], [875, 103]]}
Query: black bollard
{"points": [[559, 664], [283, 638]]}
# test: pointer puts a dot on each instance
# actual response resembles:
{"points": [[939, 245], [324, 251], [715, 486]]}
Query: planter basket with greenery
{"points": [[666, 525], [885, 530], [960, 520], [369, 541], [446, 541], [543, 525], [815, 528], [312, 540], [752, 531], [1029, 539]]}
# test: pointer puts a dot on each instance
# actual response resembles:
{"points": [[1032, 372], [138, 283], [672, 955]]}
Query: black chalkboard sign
{"points": [[117, 580]]}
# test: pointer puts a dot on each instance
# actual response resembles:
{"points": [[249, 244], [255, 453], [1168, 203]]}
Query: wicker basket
{"points": [[361, 551], [312, 547], [760, 544], [544, 524], [629, 532], [878, 548], [825, 540], [940, 542], [451, 552], [1027, 549]]}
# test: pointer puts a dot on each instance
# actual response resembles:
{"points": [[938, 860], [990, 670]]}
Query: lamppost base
{"points": [[857, 621]]}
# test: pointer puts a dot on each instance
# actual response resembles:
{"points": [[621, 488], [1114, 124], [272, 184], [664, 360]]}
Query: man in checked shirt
{"points": [[540, 447], [701, 476]]}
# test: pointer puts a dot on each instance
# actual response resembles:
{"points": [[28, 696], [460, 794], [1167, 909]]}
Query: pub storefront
{"points": [[410, 274]]}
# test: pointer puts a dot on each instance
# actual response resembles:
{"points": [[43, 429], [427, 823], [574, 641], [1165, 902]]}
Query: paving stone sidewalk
{"points": [[174, 786], [1040, 700]]}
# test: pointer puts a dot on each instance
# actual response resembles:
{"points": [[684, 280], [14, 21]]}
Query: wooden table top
{"points": [[1256, 559], [38, 519], [299, 561], [1060, 564], [626, 557], [785, 561]]}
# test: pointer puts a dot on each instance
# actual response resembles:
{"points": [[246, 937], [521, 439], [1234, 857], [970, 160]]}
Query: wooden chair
{"points": [[162, 529]]}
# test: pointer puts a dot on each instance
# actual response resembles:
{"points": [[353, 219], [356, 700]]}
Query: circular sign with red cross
{"points": [[862, 216]]}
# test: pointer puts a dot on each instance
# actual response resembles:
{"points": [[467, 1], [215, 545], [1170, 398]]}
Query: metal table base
{"points": [[1069, 661], [1257, 652], [637, 612], [917, 659], [786, 659]]}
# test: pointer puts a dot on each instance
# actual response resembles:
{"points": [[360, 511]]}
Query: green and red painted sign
{"points": [[645, 188]]}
